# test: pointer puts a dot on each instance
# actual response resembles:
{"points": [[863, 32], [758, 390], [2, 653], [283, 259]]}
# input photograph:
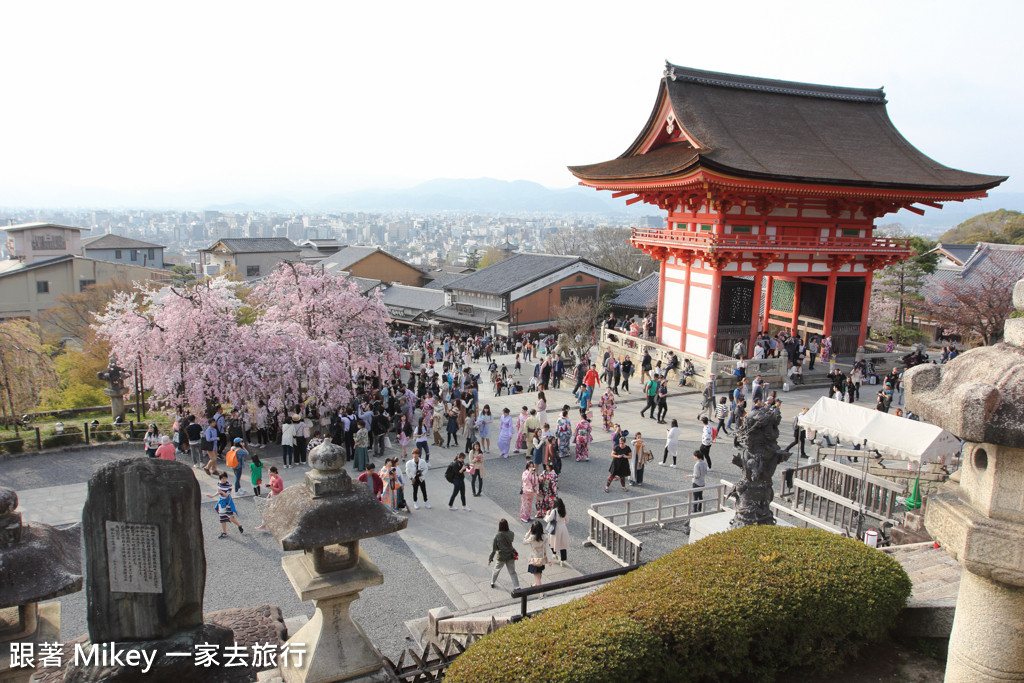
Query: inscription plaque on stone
{"points": [[133, 557]]}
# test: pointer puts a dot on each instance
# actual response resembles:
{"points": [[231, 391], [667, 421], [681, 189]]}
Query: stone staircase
{"points": [[935, 577], [912, 530]]}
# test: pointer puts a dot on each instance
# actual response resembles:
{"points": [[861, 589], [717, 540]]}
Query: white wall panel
{"points": [[670, 337], [699, 311], [672, 306]]}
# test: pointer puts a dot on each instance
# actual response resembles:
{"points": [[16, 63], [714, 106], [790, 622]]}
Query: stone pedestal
{"points": [[336, 648], [983, 608], [116, 404], [42, 626]]}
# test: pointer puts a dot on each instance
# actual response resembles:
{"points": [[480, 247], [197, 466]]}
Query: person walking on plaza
{"points": [[422, 437], [416, 469], [626, 368], [671, 443], [235, 459], [521, 442], [799, 435], [456, 475], [558, 531], [563, 433], [662, 400], [527, 492], [483, 428], [583, 437], [651, 390], [225, 506], [707, 437], [700, 470], [209, 446], [537, 541], [502, 547], [195, 441], [721, 413], [287, 442], [542, 408], [506, 432], [641, 456], [476, 464], [619, 468], [707, 405], [607, 405], [361, 442], [547, 488], [256, 474], [645, 366]]}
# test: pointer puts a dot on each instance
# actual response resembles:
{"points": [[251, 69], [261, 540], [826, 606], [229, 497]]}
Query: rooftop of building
{"points": [[785, 131], [117, 242], [254, 245]]}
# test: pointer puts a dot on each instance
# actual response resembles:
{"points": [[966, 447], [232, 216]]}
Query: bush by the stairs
{"points": [[742, 605], [71, 435]]}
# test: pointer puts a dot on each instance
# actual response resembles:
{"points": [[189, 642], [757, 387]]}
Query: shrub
{"points": [[71, 435], [103, 433], [12, 445], [742, 605]]}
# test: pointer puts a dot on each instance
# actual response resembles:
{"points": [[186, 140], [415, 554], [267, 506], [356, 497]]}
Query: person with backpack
{"points": [[506, 552], [235, 459], [456, 476], [225, 506], [707, 437]]}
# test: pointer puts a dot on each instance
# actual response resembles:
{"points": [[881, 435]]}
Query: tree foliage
{"points": [[491, 256], [976, 308], [25, 367], [1001, 227], [298, 336], [897, 287], [578, 320], [607, 247]]}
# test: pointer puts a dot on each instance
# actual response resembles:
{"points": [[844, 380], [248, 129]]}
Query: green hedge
{"points": [[12, 445], [743, 605], [72, 435]]}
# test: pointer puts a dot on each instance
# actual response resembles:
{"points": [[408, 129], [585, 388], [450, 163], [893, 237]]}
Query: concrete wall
{"points": [[28, 245], [20, 298], [141, 256], [265, 262]]}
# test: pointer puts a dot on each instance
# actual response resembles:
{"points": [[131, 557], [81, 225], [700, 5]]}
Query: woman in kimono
{"points": [[392, 484], [547, 492], [483, 428], [529, 491], [607, 405], [428, 409], [542, 408], [506, 431], [826, 349], [563, 432], [582, 437], [521, 430]]}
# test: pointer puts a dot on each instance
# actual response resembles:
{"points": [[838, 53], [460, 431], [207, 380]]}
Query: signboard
{"points": [[133, 558], [50, 242], [500, 328], [465, 309]]}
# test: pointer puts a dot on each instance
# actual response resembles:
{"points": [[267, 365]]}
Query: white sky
{"points": [[225, 99]]}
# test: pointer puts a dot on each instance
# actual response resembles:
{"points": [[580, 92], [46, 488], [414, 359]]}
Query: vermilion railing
{"points": [[749, 242]]}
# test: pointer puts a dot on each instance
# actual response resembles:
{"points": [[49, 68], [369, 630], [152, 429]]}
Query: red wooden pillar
{"points": [[767, 303], [862, 336], [794, 329], [716, 297], [686, 306], [661, 298], [830, 303], [755, 314]]}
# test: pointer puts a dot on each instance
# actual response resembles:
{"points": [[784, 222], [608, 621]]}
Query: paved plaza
{"points": [[440, 560]]}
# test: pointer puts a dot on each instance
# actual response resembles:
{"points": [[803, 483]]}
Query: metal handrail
{"points": [[524, 593], [750, 242], [713, 503]]}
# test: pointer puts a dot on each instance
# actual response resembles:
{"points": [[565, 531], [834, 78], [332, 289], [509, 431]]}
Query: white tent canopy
{"points": [[892, 436]]}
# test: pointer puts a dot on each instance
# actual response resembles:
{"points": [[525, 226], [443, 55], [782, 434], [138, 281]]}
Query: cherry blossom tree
{"points": [[316, 331], [187, 341]]}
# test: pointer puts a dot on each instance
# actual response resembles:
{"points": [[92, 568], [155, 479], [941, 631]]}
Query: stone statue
{"points": [[759, 456], [563, 348], [114, 376]]}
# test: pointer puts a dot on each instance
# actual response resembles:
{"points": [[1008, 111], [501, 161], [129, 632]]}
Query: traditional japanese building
{"points": [[772, 189]]}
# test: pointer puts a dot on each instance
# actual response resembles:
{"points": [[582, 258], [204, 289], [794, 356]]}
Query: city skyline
{"points": [[133, 105]]}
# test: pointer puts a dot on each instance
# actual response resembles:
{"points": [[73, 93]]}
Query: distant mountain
{"points": [[485, 195], [1001, 227], [934, 222]]}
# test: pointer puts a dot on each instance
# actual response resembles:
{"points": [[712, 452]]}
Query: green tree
{"points": [[1001, 227], [182, 275], [25, 367], [473, 259], [898, 286], [491, 256]]}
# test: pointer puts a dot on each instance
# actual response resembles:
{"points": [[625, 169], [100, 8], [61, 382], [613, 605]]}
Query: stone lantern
{"points": [[37, 562], [325, 517], [978, 517]]}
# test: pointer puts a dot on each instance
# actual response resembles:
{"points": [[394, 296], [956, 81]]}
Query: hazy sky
{"points": [[221, 100]]}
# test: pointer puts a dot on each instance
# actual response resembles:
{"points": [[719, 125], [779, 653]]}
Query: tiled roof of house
{"points": [[117, 242], [348, 256], [511, 273], [641, 295], [256, 245], [989, 262]]}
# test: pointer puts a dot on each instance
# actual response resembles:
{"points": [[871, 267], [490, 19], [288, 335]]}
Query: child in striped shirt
{"points": [[225, 506]]}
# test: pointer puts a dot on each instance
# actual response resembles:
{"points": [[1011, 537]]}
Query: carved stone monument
{"points": [[759, 456], [37, 562], [146, 569], [325, 517], [978, 516], [115, 389]]}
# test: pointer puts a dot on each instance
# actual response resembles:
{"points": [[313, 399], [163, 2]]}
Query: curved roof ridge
{"points": [[675, 72]]}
